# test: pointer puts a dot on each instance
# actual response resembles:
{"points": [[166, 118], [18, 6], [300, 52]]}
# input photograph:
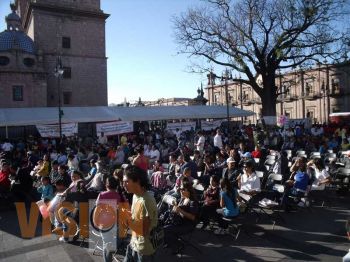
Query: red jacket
{"points": [[4, 179]]}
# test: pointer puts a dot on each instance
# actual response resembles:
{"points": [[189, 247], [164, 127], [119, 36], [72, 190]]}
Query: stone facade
{"points": [[319, 91], [75, 31]]}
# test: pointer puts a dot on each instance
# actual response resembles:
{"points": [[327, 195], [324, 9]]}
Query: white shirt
{"points": [[7, 147], [102, 140], [319, 175], [218, 141], [251, 183], [155, 154], [200, 143]]}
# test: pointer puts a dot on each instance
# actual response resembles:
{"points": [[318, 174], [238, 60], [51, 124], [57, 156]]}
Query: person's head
{"points": [[76, 175], [46, 157], [219, 156], [257, 148], [196, 153], [157, 165], [118, 174], [172, 158], [180, 159], [62, 169], [318, 163], [92, 163], [55, 165], [187, 158], [248, 167], [187, 172], [45, 180], [70, 157], [60, 185], [214, 181], [301, 163], [232, 153], [139, 150], [186, 190], [135, 180], [112, 183], [231, 164], [225, 185], [218, 132]]}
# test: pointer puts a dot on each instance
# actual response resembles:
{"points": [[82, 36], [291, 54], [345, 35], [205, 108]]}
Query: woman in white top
{"points": [[248, 182], [321, 175]]}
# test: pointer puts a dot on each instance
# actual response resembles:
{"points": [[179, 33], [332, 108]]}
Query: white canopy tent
{"points": [[49, 115]]}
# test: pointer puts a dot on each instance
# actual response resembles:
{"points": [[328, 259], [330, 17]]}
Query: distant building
{"points": [[40, 31], [319, 91]]}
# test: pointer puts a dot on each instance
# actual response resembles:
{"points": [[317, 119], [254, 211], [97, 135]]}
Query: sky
{"points": [[141, 50]]}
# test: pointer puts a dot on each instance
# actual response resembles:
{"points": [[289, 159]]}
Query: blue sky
{"points": [[142, 54]]}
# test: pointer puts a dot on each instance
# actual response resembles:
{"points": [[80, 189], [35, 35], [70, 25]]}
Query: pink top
{"points": [[109, 196]]}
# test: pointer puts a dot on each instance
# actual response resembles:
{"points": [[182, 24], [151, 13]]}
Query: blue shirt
{"points": [[301, 180], [46, 192], [230, 210]]}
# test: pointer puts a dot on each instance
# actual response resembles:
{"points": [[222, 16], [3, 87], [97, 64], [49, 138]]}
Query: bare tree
{"points": [[259, 37]]}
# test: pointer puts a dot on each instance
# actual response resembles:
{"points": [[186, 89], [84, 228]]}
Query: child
{"points": [[46, 189]]}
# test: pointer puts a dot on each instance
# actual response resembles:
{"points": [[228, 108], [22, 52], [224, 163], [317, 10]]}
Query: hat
{"points": [[230, 160], [247, 155]]}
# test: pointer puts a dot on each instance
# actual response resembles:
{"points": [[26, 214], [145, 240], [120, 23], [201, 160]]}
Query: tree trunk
{"points": [[269, 99]]}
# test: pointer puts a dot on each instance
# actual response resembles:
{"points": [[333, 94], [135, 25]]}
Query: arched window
{"points": [[4, 60], [29, 62]]}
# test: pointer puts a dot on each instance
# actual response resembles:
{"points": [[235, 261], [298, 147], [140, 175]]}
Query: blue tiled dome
{"points": [[16, 40]]}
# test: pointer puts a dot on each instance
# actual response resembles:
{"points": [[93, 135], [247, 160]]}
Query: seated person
{"points": [[46, 189], [23, 185], [182, 218], [231, 172], [68, 216], [248, 182], [92, 172], [54, 174], [176, 190], [297, 185], [5, 182], [320, 175], [44, 167], [211, 201], [228, 204]]}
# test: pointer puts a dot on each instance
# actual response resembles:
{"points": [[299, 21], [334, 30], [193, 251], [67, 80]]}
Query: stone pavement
{"points": [[306, 235]]}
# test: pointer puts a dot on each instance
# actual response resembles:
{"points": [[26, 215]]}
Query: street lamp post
{"points": [[224, 80], [241, 95], [58, 73]]}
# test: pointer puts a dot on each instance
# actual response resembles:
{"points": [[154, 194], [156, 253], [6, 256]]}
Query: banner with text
{"points": [[114, 128], [182, 126], [209, 125], [69, 129]]}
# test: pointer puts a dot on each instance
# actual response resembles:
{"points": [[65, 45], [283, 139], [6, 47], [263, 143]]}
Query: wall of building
{"points": [[321, 91], [86, 56]]}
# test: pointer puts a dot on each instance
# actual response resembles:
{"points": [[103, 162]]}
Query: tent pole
{"points": [[6, 132]]}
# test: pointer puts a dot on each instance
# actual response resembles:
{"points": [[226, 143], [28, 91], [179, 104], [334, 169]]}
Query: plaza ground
{"points": [[317, 234]]}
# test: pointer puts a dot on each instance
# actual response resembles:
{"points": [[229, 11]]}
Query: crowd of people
{"points": [[173, 179]]}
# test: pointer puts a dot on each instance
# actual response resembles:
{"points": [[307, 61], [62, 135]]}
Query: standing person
{"points": [[142, 218], [110, 198], [218, 139], [200, 143], [141, 160]]}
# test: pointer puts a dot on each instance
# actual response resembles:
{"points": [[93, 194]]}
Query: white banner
{"points": [[54, 130], [295, 122], [209, 125], [114, 128], [182, 126]]}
